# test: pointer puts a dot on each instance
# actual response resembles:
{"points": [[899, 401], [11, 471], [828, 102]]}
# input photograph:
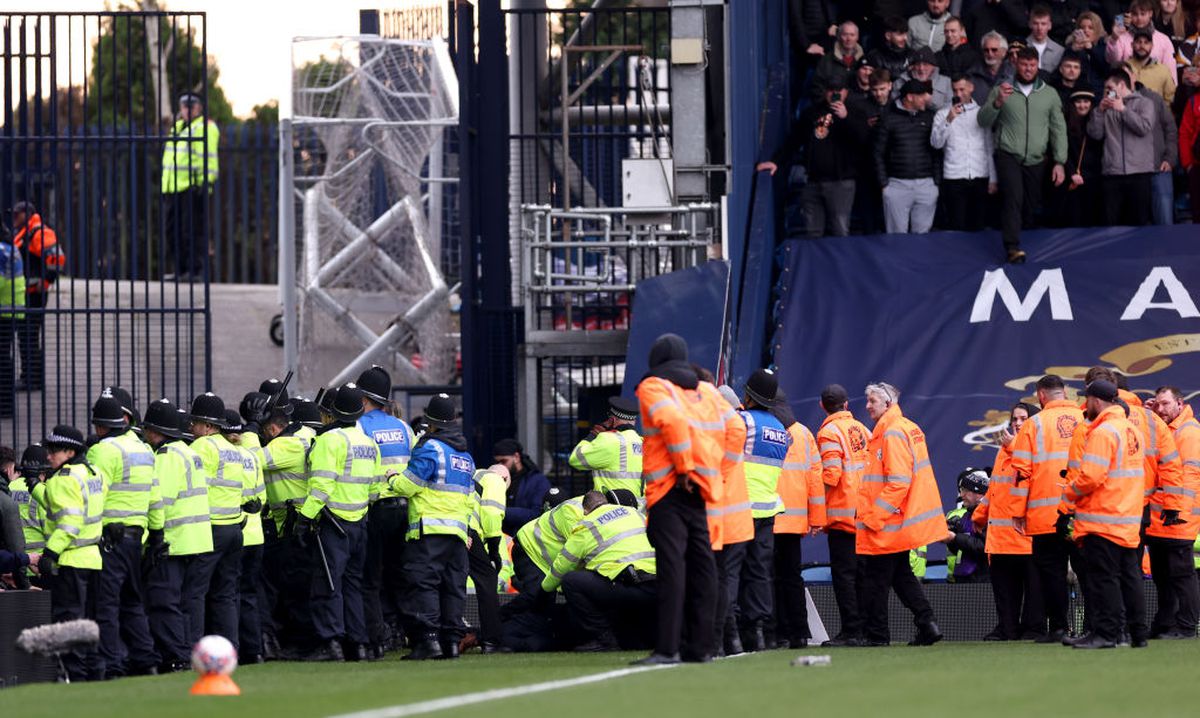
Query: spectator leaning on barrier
{"points": [[1049, 51], [922, 67], [830, 139], [927, 29], [968, 170], [1125, 122], [958, 55], [1026, 115], [1119, 45], [905, 162], [993, 69]]}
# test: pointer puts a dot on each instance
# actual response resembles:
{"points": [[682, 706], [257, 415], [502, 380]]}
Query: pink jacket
{"points": [[1121, 50]]}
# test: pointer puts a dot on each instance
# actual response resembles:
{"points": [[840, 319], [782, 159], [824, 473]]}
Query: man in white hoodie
{"points": [[968, 170]]}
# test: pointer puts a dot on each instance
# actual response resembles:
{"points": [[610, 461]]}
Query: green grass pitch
{"points": [[967, 679]]}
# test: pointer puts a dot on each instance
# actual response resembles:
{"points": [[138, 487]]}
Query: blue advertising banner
{"points": [[965, 338]]}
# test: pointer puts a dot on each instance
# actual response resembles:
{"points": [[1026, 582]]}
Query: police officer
{"points": [[32, 472], [43, 259], [70, 564], [344, 477], [250, 632], [438, 484], [607, 572], [388, 516], [286, 565], [12, 301], [226, 478], [538, 542], [127, 467], [767, 444], [189, 171], [612, 450], [483, 549], [180, 532]]}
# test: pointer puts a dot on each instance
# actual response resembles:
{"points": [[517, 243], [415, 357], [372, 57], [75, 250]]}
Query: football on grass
{"points": [[214, 655]]}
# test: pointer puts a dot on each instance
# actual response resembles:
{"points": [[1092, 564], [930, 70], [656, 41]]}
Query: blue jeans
{"points": [[1162, 197]]}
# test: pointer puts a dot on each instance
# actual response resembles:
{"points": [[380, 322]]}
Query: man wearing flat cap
{"points": [[612, 450]]}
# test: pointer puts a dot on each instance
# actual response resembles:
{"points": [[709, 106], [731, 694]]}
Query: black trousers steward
{"points": [[1178, 590], [844, 567], [1115, 583], [879, 574], [1050, 557], [687, 574], [791, 611]]}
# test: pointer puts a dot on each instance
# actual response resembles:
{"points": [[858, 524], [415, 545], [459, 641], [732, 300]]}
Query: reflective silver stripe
{"points": [[633, 557], [816, 500], [225, 483], [651, 431], [735, 508], [831, 462], [1112, 520], [764, 461], [578, 456], [707, 425], [898, 478], [1169, 457], [85, 542], [127, 487], [356, 506], [733, 457], [611, 541], [323, 474], [710, 473], [1022, 454], [714, 512], [66, 511], [1094, 459], [1040, 503], [1178, 490], [794, 512], [184, 520], [1003, 480], [764, 505], [677, 448], [999, 522], [914, 520], [829, 446], [886, 506], [1014, 491], [874, 478], [359, 480], [793, 466], [895, 434], [1126, 473], [318, 494], [1194, 463], [225, 510], [491, 504], [122, 514], [922, 464], [448, 523], [840, 513], [1053, 456], [394, 460], [659, 474]]}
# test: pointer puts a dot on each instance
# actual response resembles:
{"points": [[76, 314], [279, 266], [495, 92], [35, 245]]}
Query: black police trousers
{"points": [[729, 577], [756, 599], [250, 627], [165, 608], [677, 526], [880, 573], [72, 597], [339, 613], [197, 577], [1010, 574], [1050, 557], [187, 215], [222, 601], [1115, 591], [286, 576], [790, 608], [527, 579], [844, 569], [9, 327], [435, 575], [1178, 589], [602, 608], [483, 573], [387, 522], [125, 643]]}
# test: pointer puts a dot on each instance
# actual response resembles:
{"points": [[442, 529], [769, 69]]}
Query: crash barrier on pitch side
{"points": [[20, 610]]}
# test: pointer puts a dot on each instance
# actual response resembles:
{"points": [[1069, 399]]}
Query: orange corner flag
{"points": [[214, 684]]}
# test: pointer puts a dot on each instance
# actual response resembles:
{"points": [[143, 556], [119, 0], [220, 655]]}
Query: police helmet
{"points": [[107, 412], [163, 417], [376, 385]]}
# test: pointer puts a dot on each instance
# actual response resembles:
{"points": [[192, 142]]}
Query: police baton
{"points": [[337, 526], [324, 561]]}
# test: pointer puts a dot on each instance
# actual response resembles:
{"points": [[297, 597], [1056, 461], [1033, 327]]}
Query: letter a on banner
{"points": [[995, 282], [1181, 301]]}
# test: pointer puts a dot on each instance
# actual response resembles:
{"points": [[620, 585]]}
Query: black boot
{"points": [[927, 635], [1093, 641], [425, 649], [733, 641], [449, 650], [758, 640], [657, 659], [270, 647], [330, 650]]}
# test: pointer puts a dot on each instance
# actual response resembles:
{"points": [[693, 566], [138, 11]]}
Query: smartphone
{"points": [[836, 96], [956, 100], [1119, 21], [1111, 94]]}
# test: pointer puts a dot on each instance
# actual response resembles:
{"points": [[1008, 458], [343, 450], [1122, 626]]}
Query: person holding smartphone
{"points": [[968, 170]]}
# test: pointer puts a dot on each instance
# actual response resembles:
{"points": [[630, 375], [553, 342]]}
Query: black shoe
{"points": [[657, 659], [249, 660], [1054, 636], [270, 647], [488, 648], [449, 651], [927, 635], [1069, 640], [1124, 641], [597, 645], [1093, 641], [1177, 636], [1028, 635], [691, 658], [175, 667], [872, 643], [995, 636], [797, 643], [733, 644], [841, 641], [425, 650], [357, 652], [1139, 643], [1016, 256], [330, 651], [149, 670], [758, 641]]}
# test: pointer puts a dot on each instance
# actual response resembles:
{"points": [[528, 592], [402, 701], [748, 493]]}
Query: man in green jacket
{"points": [[1027, 116]]}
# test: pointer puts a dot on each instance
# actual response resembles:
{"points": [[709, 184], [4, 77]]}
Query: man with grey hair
{"points": [[993, 69]]}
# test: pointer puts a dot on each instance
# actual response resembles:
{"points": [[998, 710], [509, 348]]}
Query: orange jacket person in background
{"points": [[803, 497], [842, 441], [1107, 498], [683, 449], [731, 521], [43, 259], [899, 509], [1173, 530], [1009, 551], [1039, 456]]}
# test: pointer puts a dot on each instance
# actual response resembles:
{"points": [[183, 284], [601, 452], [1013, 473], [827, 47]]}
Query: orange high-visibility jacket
{"points": [[1186, 432], [1108, 493], [842, 441], [899, 508], [1074, 462], [729, 520], [800, 485], [995, 510], [684, 436], [1162, 464], [1039, 455]]}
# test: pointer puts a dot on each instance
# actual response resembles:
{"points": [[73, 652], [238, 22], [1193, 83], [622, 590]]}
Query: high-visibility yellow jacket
{"points": [[182, 512], [74, 498], [606, 541], [344, 474], [614, 458], [127, 466], [190, 156], [545, 536], [488, 502]]}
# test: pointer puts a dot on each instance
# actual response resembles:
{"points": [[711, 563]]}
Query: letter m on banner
{"points": [[995, 283]]}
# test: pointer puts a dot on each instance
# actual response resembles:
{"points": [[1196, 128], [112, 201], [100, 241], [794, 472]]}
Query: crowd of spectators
{"points": [[968, 114]]}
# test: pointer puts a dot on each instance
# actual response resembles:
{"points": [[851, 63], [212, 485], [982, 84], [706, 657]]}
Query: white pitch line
{"points": [[467, 699]]}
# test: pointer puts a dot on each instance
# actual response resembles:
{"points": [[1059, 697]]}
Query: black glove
{"points": [[48, 564], [252, 506], [157, 548], [254, 407], [493, 551], [1170, 517], [303, 529], [111, 535], [1062, 527]]}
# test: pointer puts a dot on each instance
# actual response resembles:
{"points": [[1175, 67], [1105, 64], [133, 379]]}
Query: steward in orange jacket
{"points": [[1173, 530], [43, 259], [1108, 513], [1039, 456], [683, 450], [803, 497], [899, 509], [842, 441], [730, 525]]}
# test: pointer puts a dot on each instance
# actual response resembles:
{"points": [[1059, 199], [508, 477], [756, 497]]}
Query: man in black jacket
{"points": [[895, 52], [959, 54], [905, 163], [965, 543], [830, 138]]}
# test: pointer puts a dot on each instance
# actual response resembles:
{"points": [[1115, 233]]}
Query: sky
{"points": [[250, 40]]}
